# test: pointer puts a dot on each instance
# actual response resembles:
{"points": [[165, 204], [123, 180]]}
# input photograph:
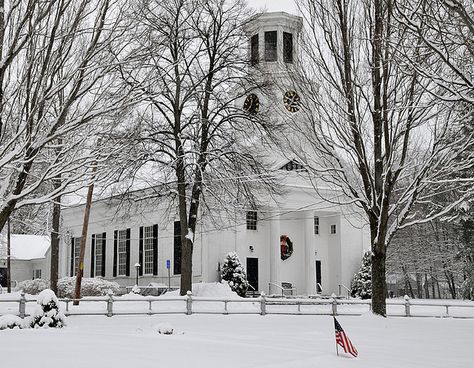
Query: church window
{"points": [[254, 50], [333, 229], [287, 47], [316, 225], [271, 46], [251, 220], [122, 252], [75, 252], [99, 256], [148, 250]]}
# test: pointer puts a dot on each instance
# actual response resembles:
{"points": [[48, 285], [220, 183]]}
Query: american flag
{"points": [[343, 340]]}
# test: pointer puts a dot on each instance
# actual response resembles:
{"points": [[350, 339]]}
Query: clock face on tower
{"points": [[292, 101], [252, 104]]}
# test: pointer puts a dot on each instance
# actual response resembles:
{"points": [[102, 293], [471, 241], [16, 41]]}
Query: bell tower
{"points": [[273, 41], [273, 60]]}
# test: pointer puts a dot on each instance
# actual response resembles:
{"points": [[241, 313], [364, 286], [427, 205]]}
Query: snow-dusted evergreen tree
{"points": [[362, 281], [233, 272], [48, 313]]}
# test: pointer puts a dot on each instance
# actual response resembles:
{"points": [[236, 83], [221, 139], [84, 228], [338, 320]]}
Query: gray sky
{"points": [[274, 5]]}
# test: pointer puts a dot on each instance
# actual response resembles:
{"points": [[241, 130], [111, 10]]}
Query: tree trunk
{"points": [[20, 182], [9, 265], [433, 280], [55, 243], [379, 284], [426, 285], [451, 284], [439, 290], [186, 244], [408, 287]]}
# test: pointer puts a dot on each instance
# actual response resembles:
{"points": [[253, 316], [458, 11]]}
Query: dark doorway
{"points": [[252, 273], [318, 277], [3, 277]]}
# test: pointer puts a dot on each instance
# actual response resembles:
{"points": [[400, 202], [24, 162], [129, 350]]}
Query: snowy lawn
{"points": [[240, 341]]}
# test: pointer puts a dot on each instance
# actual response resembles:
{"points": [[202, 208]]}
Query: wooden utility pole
{"points": [[85, 225], [9, 269]]}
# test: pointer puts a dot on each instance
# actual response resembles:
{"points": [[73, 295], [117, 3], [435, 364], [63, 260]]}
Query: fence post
{"points": [[263, 305], [189, 303], [22, 305], [110, 304], [407, 305], [149, 307], [66, 300], [334, 305], [225, 307], [447, 312]]}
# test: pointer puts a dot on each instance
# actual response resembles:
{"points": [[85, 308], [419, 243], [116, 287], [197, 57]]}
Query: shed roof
{"points": [[26, 247]]}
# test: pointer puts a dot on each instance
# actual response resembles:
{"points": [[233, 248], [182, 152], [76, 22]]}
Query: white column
{"points": [[309, 258], [275, 259]]}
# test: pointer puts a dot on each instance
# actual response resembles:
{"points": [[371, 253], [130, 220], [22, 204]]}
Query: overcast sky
{"points": [[274, 5]]}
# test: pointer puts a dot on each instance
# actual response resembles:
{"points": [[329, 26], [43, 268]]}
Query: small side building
{"points": [[29, 258]]}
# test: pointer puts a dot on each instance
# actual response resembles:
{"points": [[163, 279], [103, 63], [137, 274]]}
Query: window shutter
{"points": [[104, 241], [93, 255], [177, 248], [72, 257], [155, 249], [115, 252], [140, 252], [127, 272]]}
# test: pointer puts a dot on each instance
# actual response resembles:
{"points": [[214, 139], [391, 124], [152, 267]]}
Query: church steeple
{"points": [[273, 58], [272, 40]]}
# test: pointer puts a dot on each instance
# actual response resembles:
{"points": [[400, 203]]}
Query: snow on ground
{"points": [[240, 341]]}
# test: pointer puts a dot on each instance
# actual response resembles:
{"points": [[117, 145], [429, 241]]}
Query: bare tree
{"points": [[372, 125], [192, 67], [446, 30], [55, 83]]}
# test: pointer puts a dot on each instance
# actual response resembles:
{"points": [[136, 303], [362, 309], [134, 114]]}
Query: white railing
{"points": [[262, 305], [281, 288], [346, 288]]}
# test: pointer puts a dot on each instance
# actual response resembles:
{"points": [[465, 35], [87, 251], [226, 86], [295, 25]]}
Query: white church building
{"points": [[298, 240]]}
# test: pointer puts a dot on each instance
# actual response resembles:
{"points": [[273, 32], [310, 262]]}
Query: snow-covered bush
{"points": [[47, 313], [362, 282], [233, 272], [11, 321], [66, 286], [136, 289], [89, 287], [33, 286]]}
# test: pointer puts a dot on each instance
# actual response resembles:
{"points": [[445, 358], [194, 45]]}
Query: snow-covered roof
{"points": [[26, 247]]}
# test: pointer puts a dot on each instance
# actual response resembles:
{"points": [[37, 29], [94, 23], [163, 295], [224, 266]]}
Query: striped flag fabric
{"points": [[343, 340]]}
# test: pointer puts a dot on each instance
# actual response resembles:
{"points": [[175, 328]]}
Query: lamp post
{"points": [[137, 268]]}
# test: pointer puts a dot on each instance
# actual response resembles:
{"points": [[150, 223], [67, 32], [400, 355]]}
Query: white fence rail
{"points": [[112, 306]]}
